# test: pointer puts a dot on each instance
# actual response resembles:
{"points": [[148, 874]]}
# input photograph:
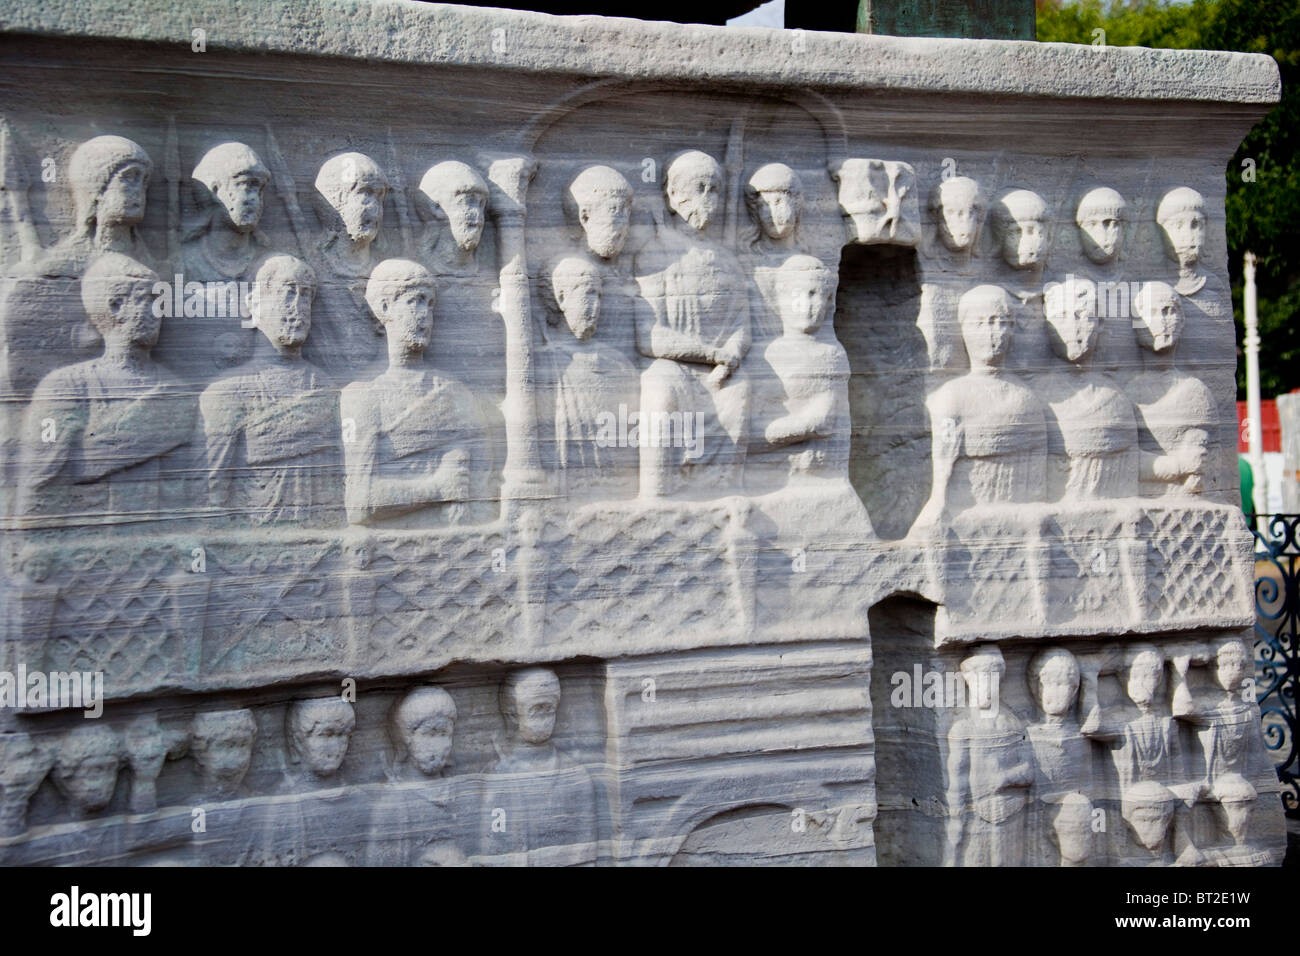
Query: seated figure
{"points": [[418, 441], [272, 427], [104, 440]]}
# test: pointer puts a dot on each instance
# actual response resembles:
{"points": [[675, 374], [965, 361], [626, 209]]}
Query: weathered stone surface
{"points": [[446, 436]]}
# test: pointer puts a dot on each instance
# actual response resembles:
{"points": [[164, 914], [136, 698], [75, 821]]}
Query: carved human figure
{"points": [[457, 213], [1236, 798], [1182, 221], [317, 733], [86, 762], [1072, 829], [1175, 410], [547, 803], [958, 208], [989, 433], [593, 382], [811, 424], [44, 326], [104, 441], [1062, 753], [351, 190], [1092, 435], [272, 426], [1149, 808], [1101, 216], [1020, 229], [774, 197], [221, 743], [146, 744], [990, 771], [24, 763], [599, 201], [225, 243], [693, 324], [418, 441]]}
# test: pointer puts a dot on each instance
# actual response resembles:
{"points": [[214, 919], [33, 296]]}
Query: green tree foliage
{"points": [[1264, 215]]}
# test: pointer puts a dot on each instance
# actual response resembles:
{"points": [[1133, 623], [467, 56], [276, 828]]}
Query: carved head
{"points": [[221, 742], [987, 323], [281, 299], [1148, 807], [1100, 217], [774, 196], [529, 700], [401, 294], [457, 195], [232, 177], [600, 201], [355, 188], [1233, 664], [85, 766], [1072, 828], [1054, 680], [574, 292], [118, 295], [1159, 312], [1181, 215], [23, 763], [805, 293], [110, 176], [422, 725], [958, 208], [1070, 308], [982, 670], [1020, 228], [1146, 674], [319, 731], [1236, 798], [693, 186]]}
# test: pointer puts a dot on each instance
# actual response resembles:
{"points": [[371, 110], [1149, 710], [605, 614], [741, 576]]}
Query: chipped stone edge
{"points": [[403, 31]]}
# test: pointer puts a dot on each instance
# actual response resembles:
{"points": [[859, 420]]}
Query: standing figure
{"points": [[351, 189], [1062, 755], [418, 443], [693, 324], [272, 427], [1175, 409], [990, 771], [105, 441], [774, 198], [957, 207], [1092, 437], [594, 386], [539, 807], [1183, 232], [414, 816], [1020, 230]]}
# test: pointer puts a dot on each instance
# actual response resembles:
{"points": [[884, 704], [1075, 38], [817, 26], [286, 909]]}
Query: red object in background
{"points": [[1272, 427]]}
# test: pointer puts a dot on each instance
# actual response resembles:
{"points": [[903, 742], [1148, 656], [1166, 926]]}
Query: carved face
{"points": [[1072, 827], [579, 299], [959, 209], [408, 317], [324, 744], [982, 681], [465, 217], [240, 197], [1150, 823], [90, 785], [122, 201], [429, 743], [1071, 311], [1236, 818], [534, 711], [1058, 683], [224, 756], [807, 298], [695, 194], [1101, 235], [1232, 666], [1144, 678], [283, 311], [987, 334], [22, 766], [1161, 317], [606, 222], [1184, 234], [133, 314], [362, 210], [777, 211], [1024, 239]]}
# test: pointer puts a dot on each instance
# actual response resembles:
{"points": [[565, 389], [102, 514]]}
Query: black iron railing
{"points": [[1277, 650]]}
